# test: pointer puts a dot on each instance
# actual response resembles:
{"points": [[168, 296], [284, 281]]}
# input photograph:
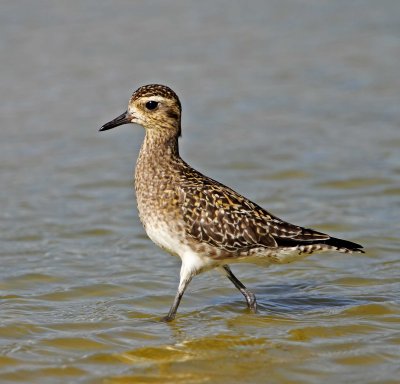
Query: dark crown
{"points": [[156, 90]]}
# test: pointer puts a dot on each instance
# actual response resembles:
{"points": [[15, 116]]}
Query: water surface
{"points": [[292, 103]]}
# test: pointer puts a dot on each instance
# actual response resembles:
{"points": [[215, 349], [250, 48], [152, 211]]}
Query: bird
{"points": [[198, 219]]}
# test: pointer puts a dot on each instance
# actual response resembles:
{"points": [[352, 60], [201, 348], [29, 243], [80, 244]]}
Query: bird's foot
{"points": [[167, 318], [251, 301]]}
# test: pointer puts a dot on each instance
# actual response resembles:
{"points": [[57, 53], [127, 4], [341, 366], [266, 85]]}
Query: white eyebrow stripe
{"points": [[153, 98]]}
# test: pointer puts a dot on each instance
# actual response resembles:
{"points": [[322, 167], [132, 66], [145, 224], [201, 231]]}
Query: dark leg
{"points": [[249, 296], [186, 278]]}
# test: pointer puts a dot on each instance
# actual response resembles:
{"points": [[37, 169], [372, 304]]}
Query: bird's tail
{"points": [[343, 245]]}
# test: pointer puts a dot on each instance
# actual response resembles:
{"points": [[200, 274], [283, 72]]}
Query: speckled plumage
{"points": [[205, 223]]}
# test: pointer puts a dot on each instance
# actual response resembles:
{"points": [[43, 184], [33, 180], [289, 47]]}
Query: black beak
{"points": [[120, 120]]}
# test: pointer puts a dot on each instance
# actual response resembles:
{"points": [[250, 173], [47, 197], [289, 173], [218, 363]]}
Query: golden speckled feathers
{"points": [[219, 216], [193, 209]]}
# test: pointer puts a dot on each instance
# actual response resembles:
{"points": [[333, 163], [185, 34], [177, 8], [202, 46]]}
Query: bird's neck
{"points": [[158, 151], [161, 145], [158, 163]]}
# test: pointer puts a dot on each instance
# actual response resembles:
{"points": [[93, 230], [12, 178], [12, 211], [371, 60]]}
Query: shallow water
{"points": [[294, 104]]}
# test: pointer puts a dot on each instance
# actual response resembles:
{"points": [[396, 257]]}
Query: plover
{"points": [[207, 224]]}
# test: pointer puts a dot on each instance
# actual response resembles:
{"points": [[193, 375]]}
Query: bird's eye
{"points": [[151, 104]]}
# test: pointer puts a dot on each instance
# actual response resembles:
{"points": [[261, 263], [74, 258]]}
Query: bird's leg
{"points": [[248, 295], [185, 279]]}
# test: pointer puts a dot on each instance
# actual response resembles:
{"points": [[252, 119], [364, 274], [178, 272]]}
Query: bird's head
{"points": [[154, 107]]}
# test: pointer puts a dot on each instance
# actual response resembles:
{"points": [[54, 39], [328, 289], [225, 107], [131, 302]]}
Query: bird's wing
{"points": [[217, 215]]}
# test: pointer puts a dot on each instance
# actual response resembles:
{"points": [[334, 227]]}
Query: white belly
{"points": [[192, 262], [162, 236]]}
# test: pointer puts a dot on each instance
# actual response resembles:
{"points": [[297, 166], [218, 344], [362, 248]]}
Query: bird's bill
{"points": [[125, 118]]}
